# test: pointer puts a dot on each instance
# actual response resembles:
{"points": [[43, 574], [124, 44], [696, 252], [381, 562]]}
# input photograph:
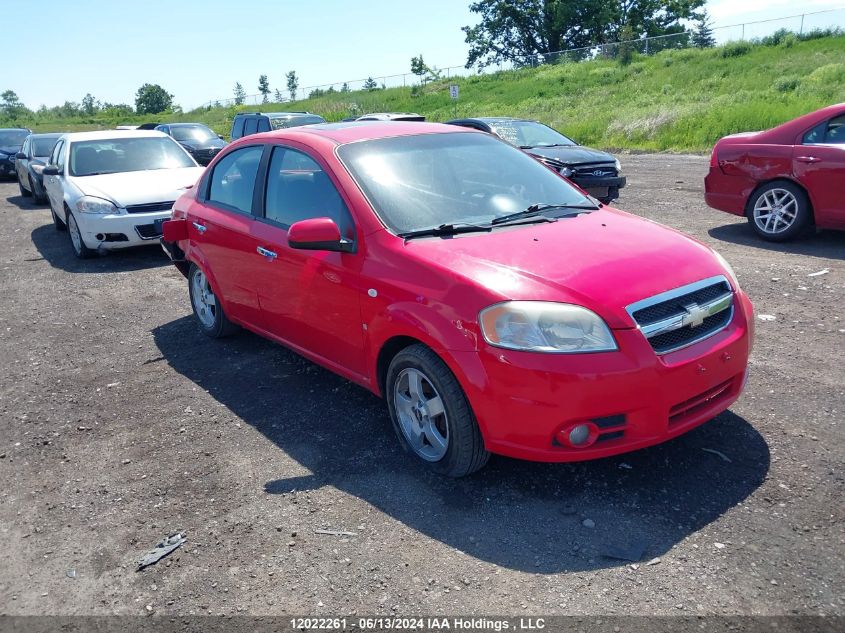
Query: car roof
{"points": [[389, 115], [47, 135], [353, 131], [277, 115], [105, 135], [184, 124]]}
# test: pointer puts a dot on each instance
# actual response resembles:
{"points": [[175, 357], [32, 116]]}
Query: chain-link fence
{"points": [[803, 25]]}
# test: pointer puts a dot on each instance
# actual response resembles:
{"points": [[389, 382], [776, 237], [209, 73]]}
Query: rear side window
{"points": [[233, 180], [263, 124], [830, 132], [238, 127], [299, 189]]}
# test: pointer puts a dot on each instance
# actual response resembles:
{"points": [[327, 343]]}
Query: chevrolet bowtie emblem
{"points": [[695, 315]]}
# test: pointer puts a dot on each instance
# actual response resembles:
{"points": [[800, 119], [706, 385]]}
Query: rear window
{"points": [[282, 122]]}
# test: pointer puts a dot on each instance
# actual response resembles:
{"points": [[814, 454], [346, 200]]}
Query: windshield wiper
{"points": [[444, 229], [537, 209]]}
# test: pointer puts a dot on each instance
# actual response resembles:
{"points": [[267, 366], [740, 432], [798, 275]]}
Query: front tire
{"points": [[57, 222], [431, 415], [207, 309], [778, 211], [79, 248], [24, 192]]}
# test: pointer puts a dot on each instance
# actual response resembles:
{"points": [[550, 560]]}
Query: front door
{"points": [[308, 298], [819, 164], [53, 185]]}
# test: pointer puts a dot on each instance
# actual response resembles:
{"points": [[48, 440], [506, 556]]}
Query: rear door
{"points": [[309, 298], [819, 164], [220, 225]]}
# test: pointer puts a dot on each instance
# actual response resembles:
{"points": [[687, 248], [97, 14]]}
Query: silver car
{"points": [[114, 189], [30, 162]]}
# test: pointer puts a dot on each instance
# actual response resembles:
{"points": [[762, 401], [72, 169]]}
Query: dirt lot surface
{"points": [[120, 423]]}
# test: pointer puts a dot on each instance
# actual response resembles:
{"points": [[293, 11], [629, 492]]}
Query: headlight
{"points": [[566, 172], [618, 166], [90, 204], [540, 326], [728, 269]]}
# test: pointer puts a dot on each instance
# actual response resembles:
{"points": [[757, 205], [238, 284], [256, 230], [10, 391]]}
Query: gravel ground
{"points": [[120, 423]]}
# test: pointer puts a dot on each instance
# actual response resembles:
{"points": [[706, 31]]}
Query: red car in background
{"points": [[783, 179], [495, 307]]}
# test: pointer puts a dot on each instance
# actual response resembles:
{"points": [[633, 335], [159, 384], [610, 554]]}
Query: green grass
{"points": [[676, 100]]}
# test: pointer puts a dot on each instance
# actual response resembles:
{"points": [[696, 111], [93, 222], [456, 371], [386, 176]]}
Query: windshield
{"points": [[527, 134], [43, 145], [13, 137], [278, 123], [110, 156], [416, 182], [187, 133]]}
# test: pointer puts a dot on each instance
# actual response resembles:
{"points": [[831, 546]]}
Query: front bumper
{"points": [[7, 168], [111, 232], [601, 187], [526, 402]]}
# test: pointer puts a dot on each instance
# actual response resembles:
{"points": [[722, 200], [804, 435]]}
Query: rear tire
{"points": [[431, 415], [209, 313], [40, 198], [58, 224], [778, 211]]}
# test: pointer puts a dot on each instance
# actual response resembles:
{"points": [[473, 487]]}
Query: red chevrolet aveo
{"points": [[783, 179], [495, 306]]}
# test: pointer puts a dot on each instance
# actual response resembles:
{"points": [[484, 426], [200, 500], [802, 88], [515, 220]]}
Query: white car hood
{"points": [[139, 187]]}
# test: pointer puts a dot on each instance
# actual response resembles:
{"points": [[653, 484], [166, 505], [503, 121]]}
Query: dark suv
{"points": [[11, 141], [596, 172], [246, 123], [200, 141]]}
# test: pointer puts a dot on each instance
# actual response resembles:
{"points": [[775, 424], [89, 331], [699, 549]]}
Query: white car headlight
{"points": [[90, 204], [541, 326], [566, 172], [728, 269], [618, 166]]}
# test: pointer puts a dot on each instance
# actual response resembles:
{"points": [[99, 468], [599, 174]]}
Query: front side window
{"points": [[233, 180], [425, 180], [299, 189], [58, 156], [830, 132], [118, 155], [25, 148]]}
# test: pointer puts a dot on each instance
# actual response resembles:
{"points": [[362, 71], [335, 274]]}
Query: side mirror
{"points": [[50, 170], [318, 234], [20, 155]]}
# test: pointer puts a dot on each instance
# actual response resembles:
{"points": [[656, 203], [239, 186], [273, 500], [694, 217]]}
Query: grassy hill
{"points": [[676, 100]]}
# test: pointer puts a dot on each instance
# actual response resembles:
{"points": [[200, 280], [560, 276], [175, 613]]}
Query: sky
{"points": [[198, 49]]}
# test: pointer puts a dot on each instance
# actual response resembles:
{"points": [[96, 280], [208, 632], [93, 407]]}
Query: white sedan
{"points": [[114, 189]]}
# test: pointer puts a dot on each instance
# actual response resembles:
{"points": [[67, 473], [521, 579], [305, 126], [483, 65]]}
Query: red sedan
{"points": [[495, 306], [783, 179]]}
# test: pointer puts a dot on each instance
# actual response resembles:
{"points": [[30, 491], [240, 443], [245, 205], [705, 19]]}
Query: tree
{"points": [[702, 34], [278, 96], [293, 84], [519, 31], [89, 106], [370, 84], [344, 87], [418, 66], [263, 87], [152, 99], [11, 106], [240, 95]]}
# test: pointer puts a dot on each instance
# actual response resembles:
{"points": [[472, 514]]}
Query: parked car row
{"points": [[11, 141]]}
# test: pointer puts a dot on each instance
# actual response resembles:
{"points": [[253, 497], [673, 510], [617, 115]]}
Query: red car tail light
{"points": [[714, 158]]}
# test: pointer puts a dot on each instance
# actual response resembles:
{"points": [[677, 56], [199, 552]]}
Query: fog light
{"points": [[579, 435]]}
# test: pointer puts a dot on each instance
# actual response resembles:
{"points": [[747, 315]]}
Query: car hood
{"points": [[10, 149], [139, 187], [604, 260], [572, 154], [212, 143]]}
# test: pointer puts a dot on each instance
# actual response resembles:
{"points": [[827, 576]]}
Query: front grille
{"points": [[686, 315], [688, 408], [590, 171], [152, 207], [148, 231]]}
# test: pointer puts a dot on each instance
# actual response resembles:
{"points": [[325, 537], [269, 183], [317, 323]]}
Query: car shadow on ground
{"points": [[54, 246], [516, 514], [27, 203], [827, 244]]}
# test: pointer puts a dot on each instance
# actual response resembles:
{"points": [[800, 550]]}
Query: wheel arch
{"points": [[387, 352]]}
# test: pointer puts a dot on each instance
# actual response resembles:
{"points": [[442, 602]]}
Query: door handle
{"points": [[199, 227], [807, 159], [268, 254]]}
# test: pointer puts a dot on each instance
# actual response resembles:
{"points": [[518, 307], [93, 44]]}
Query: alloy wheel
{"points": [[775, 211], [205, 303], [422, 415], [75, 235]]}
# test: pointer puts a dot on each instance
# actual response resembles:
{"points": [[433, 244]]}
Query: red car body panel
{"points": [[342, 310], [741, 163]]}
